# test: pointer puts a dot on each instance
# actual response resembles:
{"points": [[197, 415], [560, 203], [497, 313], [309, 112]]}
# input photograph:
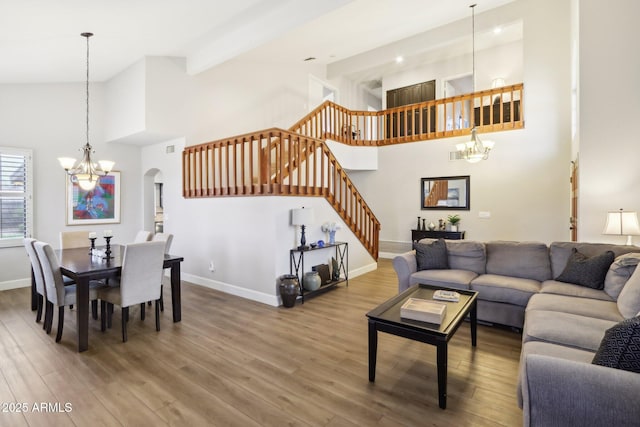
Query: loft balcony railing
{"points": [[491, 110]]}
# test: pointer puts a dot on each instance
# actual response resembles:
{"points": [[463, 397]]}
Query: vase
{"points": [[289, 289], [332, 237], [311, 281]]}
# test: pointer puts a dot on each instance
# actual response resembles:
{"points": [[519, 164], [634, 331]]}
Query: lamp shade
{"points": [[301, 216], [622, 223]]}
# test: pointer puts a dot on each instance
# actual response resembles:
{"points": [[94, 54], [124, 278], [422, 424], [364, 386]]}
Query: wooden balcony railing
{"points": [[278, 162], [493, 110]]}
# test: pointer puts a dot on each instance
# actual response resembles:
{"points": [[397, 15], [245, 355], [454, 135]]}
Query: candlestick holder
{"points": [[93, 245], [107, 252]]}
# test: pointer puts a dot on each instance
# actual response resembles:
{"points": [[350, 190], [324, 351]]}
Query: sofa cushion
{"points": [[432, 256], [458, 279], [512, 290], [467, 255], [606, 310], [559, 252], [567, 329], [619, 272], [527, 260], [586, 271], [620, 347], [629, 299], [561, 288]]}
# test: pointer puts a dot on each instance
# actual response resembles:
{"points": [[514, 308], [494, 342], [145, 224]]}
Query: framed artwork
{"points": [[445, 193], [98, 206]]}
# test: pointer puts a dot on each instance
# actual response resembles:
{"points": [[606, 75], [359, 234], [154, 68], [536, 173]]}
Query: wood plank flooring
{"points": [[234, 362]]}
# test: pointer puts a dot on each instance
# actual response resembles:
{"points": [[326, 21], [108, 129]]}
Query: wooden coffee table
{"points": [[386, 318]]}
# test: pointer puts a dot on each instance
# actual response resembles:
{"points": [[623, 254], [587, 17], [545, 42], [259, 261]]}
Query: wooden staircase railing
{"points": [[298, 162], [493, 110], [278, 162]]}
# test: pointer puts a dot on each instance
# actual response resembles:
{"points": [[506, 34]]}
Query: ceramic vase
{"points": [[332, 237], [289, 289], [311, 281]]}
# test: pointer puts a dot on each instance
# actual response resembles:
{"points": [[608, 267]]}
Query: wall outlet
{"points": [[212, 267], [484, 214]]}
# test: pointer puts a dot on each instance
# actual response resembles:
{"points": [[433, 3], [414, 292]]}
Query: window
{"points": [[16, 204]]}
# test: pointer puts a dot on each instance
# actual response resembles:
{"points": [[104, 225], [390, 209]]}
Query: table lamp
{"points": [[302, 217], [622, 223]]}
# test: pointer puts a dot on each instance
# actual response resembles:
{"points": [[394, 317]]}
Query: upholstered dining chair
{"points": [[139, 282], [74, 239], [57, 294], [37, 273], [167, 238], [142, 236]]}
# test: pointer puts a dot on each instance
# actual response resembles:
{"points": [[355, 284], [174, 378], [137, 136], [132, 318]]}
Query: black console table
{"points": [[296, 266], [426, 234]]}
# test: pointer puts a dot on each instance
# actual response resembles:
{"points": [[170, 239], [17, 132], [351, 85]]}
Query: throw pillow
{"points": [[586, 271], [620, 347], [432, 256]]}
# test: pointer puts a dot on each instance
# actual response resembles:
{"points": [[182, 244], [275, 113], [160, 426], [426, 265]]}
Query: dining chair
{"points": [[167, 238], [74, 239], [57, 293], [139, 282], [37, 274], [142, 236]]}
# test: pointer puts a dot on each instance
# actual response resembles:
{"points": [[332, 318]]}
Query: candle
{"points": [[107, 233], [93, 235]]}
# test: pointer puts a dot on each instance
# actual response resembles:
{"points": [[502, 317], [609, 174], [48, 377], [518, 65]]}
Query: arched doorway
{"points": [[153, 203]]}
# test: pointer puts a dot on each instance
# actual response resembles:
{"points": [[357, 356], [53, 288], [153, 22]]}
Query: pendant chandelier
{"points": [[86, 173], [475, 149]]}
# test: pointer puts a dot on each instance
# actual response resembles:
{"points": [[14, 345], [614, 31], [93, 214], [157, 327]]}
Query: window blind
{"points": [[15, 196]]}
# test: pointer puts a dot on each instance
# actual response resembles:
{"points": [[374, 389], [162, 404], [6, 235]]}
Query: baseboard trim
{"points": [[15, 284], [227, 288], [272, 300]]}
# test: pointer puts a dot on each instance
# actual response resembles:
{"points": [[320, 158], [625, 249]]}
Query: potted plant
{"points": [[454, 220]]}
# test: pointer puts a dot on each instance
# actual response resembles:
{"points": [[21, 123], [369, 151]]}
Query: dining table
{"points": [[82, 267]]}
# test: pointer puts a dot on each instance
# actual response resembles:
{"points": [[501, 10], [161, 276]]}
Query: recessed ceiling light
{"points": [[399, 59], [311, 58], [497, 30]]}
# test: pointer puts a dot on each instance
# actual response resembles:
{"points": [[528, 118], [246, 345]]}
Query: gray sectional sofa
{"points": [[563, 324]]}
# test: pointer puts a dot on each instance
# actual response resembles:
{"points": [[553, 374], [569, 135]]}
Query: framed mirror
{"points": [[445, 193]]}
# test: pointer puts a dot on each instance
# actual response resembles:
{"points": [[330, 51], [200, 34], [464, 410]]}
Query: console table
{"points": [[296, 266], [424, 234]]}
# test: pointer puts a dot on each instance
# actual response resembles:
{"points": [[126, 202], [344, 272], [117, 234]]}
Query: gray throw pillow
{"points": [[586, 271], [620, 347], [432, 256]]}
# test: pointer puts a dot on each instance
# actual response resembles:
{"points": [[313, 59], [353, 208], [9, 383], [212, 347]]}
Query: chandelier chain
{"points": [[87, 84]]}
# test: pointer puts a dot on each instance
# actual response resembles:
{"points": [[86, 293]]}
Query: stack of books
{"points": [[423, 310]]}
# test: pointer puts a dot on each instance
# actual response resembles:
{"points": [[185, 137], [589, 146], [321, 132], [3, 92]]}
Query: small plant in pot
{"points": [[454, 220]]}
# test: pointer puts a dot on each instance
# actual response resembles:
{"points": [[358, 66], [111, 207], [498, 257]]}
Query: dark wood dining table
{"points": [[80, 266]]}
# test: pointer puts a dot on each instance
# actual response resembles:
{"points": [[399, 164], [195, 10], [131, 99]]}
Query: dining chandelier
{"points": [[475, 149], [86, 173]]}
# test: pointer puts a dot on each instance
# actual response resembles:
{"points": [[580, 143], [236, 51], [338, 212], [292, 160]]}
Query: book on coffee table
{"points": [[423, 310]]}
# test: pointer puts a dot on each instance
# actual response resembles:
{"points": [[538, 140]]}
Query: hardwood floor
{"points": [[234, 362]]}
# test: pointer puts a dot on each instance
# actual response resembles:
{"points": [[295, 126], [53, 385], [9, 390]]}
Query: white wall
{"points": [[125, 102], [502, 61], [609, 110], [50, 119], [524, 184]]}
